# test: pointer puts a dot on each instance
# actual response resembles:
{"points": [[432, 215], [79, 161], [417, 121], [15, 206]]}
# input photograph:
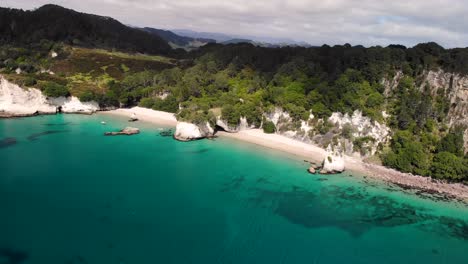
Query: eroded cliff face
{"points": [[187, 131], [453, 86], [356, 126], [371, 133], [18, 101], [243, 125]]}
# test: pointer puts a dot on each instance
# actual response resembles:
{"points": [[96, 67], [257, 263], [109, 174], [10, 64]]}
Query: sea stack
{"points": [[188, 131], [334, 161]]}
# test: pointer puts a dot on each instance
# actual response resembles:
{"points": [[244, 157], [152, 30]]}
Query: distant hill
{"points": [[236, 41], [218, 37], [55, 23], [269, 42], [177, 41]]}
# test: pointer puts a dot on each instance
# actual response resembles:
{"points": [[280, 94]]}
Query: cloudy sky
{"points": [[366, 22]]}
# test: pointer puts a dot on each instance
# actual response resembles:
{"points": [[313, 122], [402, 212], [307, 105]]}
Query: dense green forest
{"points": [[55, 23], [243, 80]]}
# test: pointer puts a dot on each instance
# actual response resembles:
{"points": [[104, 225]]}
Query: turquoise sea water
{"points": [[70, 195]]}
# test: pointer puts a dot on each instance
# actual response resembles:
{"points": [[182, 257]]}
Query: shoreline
{"points": [[313, 153]]}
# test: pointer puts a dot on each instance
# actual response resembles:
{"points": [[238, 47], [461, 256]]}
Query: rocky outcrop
{"points": [[455, 87], [72, 105], [18, 101], [188, 131], [286, 127], [362, 127], [126, 131], [452, 85], [243, 125], [334, 161]]}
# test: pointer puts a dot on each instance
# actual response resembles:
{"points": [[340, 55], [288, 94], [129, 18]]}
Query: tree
{"points": [[446, 165], [52, 89], [407, 154], [452, 142], [269, 127], [230, 114]]}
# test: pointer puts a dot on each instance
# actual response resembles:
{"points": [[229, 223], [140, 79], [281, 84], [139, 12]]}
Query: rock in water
{"points": [[332, 164], [126, 131], [334, 161], [188, 131]]}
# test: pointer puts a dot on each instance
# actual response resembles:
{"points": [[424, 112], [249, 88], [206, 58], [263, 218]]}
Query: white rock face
{"points": [[456, 87], [74, 105], [243, 125], [363, 127], [334, 161], [16, 101], [283, 123], [187, 131], [209, 129], [333, 164], [47, 71], [163, 95], [278, 116]]}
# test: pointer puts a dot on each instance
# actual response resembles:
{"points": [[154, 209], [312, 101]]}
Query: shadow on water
{"points": [[35, 136], [203, 150], [58, 124], [12, 256], [77, 260], [8, 142], [351, 209], [234, 184]]}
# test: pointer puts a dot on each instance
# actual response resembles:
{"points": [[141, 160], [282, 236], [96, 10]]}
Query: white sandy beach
{"points": [[310, 153], [146, 115]]}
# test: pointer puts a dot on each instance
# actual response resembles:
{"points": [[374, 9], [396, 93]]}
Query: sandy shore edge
{"points": [[312, 153]]}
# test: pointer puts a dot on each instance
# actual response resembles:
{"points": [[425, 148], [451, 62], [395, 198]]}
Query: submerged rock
{"points": [[126, 131], [7, 142], [314, 168]]}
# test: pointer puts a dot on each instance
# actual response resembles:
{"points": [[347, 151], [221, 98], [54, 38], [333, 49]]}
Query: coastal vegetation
{"points": [[245, 81]]}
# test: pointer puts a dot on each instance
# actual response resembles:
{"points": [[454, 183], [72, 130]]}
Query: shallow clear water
{"points": [[70, 195]]}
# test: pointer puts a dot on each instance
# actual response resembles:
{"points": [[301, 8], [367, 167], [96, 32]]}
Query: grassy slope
{"points": [[83, 69]]}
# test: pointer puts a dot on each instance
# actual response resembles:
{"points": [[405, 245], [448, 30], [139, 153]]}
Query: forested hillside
{"points": [[177, 41], [55, 23], [419, 94]]}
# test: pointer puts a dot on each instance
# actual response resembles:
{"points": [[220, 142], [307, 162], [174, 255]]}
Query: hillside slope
{"points": [[55, 23], [177, 41]]}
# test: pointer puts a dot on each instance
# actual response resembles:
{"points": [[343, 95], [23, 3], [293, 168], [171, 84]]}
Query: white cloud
{"points": [[366, 22]]}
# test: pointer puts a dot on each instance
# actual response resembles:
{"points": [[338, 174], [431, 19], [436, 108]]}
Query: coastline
{"points": [[145, 115], [313, 153]]}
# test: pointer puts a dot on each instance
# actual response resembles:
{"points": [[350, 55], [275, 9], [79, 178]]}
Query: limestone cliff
{"points": [[356, 125], [453, 86], [18, 101], [232, 129], [188, 131], [334, 161]]}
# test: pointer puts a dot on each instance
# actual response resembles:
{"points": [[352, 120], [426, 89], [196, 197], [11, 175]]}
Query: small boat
{"points": [[103, 123]]}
